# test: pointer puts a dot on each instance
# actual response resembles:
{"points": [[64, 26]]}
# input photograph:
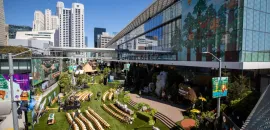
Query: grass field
{"points": [[62, 124]]}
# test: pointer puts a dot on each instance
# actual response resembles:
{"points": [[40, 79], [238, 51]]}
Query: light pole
{"points": [[218, 99], [14, 103]]}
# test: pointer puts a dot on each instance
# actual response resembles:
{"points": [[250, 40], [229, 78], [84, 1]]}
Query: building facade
{"points": [[13, 29], [98, 31], [47, 35], [48, 19], [2, 25], [103, 39], [38, 23], [237, 31], [55, 22]]}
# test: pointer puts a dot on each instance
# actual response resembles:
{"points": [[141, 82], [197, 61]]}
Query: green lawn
{"points": [[62, 124]]}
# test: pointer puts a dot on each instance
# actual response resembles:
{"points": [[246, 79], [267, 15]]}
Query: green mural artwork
{"points": [[210, 25], [37, 72]]}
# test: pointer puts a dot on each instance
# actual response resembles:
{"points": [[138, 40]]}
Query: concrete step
{"points": [[164, 119]]}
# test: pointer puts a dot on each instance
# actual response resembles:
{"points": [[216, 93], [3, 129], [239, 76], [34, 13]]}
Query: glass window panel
{"points": [[245, 3], [249, 19], [173, 26], [250, 3], [170, 28], [245, 18], [262, 21], [255, 45], [263, 5], [256, 20], [257, 4], [268, 6], [244, 40], [268, 23], [249, 40]]}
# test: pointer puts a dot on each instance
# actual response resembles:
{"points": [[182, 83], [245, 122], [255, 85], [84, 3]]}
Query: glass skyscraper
{"points": [[12, 30]]}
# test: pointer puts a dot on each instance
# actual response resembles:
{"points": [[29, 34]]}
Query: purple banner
{"points": [[21, 86]]}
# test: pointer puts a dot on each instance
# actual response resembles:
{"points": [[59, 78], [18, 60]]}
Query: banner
{"points": [[37, 71], [21, 86], [4, 89], [220, 87]]}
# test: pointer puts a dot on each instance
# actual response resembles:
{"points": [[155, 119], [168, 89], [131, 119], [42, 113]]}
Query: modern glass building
{"points": [[98, 31], [178, 31], [12, 30]]}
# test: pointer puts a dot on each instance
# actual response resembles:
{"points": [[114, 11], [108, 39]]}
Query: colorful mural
{"points": [[210, 25]]}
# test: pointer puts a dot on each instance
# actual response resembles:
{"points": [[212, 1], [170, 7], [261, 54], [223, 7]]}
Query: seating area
{"points": [[88, 124], [119, 111], [119, 117], [79, 122], [93, 120], [83, 96], [100, 119], [74, 125], [105, 96], [124, 108], [110, 96]]}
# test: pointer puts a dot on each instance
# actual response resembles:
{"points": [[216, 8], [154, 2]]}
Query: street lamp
{"points": [[218, 99], [14, 104]]}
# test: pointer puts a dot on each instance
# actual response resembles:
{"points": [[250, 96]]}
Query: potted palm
{"points": [[106, 72]]}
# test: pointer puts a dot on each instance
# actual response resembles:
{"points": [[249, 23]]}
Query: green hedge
{"points": [[144, 116]]}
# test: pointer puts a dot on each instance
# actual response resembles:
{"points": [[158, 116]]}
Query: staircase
{"points": [[132, 103], [167, 121]]}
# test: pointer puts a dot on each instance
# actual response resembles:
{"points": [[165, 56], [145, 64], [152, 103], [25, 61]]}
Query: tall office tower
{"points": [[98, 31], [2, 25], [77, 26], [48, 19], [38, 23], [71, 26], [55, 22], [64, 15]]}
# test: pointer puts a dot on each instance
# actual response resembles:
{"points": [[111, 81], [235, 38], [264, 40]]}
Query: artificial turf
{"points": [[62, 124]]}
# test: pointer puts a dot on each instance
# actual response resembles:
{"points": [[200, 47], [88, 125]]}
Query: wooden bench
{"points": [[94, 120], [101, 120]]}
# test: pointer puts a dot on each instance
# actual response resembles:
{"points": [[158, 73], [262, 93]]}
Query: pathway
{"points": [[44, 94], [172, 112]]}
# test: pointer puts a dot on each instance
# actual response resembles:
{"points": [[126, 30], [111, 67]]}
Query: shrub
{"points": [[144, 116], [126, 99], [153, 112]]}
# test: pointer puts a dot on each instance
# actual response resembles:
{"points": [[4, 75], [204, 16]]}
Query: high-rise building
{"points": [[103, 39], [2, 25], [64, 15], [71, 26], [12, 30], [38, 23], [55, 22], [86, 41], [48, 19], [98, 31], [77, 25]]}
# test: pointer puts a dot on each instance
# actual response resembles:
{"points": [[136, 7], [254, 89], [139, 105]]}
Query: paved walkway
{"points": [[44, 94], [171, 111]]}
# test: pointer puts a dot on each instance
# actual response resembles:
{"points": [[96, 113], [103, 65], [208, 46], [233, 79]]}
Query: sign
{"points": [[21, 87], [126, 67], [220, 87], [4, 89]]}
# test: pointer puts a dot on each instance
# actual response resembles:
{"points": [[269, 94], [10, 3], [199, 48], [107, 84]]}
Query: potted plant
{"points": [[106, 72]]}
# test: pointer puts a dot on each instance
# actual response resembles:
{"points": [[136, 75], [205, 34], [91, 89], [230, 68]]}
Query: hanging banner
{"points": [[220, 87], [21, 86], [4, 89]]}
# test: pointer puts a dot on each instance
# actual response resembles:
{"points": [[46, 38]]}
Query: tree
{"points": [[65, 81], [188, 33], [83, 78], [238, 88], [199, 8]]}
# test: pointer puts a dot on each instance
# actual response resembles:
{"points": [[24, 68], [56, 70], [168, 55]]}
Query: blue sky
{"points": [[113, 15]]}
